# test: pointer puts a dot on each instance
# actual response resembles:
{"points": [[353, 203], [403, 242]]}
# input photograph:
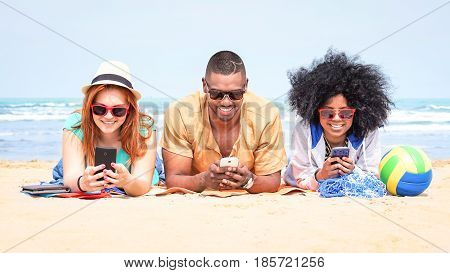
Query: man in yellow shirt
{"points": [[225, 120]]}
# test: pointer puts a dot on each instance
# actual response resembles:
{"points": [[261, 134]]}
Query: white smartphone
{"points": [[229, 162]]}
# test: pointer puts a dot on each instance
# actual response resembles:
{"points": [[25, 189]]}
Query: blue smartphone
{"points": [[340, 152]]}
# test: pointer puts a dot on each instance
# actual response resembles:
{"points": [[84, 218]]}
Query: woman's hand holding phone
{"points": [[343, 161], [330, 169], [334, 166], [346, 165], [88, 182], [120, 178]]}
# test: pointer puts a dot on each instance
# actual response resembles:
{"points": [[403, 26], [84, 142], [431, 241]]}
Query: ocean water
{"points": [[32, 128]]}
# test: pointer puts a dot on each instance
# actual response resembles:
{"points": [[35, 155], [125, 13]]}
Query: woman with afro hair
{"points": [[342, 103]]}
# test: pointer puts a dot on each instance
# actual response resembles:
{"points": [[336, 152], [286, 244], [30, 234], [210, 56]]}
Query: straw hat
{"points": [[113, 72]]}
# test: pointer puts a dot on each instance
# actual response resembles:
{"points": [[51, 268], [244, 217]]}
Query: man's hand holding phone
{"points": [[226, 174], [212, 178], [238, 175]]}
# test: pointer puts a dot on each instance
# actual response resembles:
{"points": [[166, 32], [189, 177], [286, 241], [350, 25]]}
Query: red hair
{"points": [[133, 143]]}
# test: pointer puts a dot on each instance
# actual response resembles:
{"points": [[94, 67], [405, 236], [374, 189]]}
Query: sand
{"points": [[194, 223]]}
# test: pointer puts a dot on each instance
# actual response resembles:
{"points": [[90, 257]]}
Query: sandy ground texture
{"points": [[195, 223]]}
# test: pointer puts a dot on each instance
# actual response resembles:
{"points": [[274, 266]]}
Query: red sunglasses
{"points": [[102, 110], [345, 113]]}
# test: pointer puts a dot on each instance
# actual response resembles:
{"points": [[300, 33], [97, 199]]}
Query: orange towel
{"points": [[283, 190]]}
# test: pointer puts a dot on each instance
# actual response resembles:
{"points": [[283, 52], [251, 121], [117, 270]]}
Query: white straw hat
{"points": [[113, 72]]}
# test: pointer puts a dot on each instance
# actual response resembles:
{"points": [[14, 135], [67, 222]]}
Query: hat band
{"points": [[112, 77]]}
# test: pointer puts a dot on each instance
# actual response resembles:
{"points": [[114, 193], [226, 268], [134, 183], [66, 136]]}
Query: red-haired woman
{"points": [[109, 117]]}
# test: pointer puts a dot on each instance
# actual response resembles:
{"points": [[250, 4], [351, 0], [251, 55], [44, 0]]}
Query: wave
{"points": [[3, 134], [409, 112], [438, 107], [417, 128], [49, 116], [413, 122], [32, 117], [40, 104], [432, 108], [33, 133], [397, 117], [419, 116]]}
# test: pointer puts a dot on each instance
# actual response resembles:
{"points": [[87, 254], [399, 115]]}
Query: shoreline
{"points": [[249, 223]]}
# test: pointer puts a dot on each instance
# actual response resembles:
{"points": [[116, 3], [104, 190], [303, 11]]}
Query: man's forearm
{"points": [[269, 183], [191, 182]]}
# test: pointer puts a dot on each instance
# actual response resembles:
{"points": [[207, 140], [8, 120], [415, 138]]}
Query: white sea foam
{"points": [[2, 134], [32, 117], [439, 107], [417, 128], [403, 116], [421, 115]]}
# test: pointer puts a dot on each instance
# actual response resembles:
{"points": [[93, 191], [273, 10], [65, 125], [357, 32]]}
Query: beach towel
{"points": [[162, 191], [85, 195], [356, 184]]}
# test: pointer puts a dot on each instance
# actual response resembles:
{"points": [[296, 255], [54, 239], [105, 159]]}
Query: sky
{"points": [[167, 44]]}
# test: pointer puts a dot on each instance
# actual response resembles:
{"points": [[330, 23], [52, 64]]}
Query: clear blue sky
{"points": [[168, 43]]}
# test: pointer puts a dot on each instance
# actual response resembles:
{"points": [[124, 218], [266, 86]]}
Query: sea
{"points": [[31, 128]]}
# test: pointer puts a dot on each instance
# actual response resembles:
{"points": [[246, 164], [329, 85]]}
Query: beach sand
{"points": [[193, 223]]}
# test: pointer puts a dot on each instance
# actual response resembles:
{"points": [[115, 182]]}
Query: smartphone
{"points": [[340, 152], [105, 156], [41, 189], [229, 162]]}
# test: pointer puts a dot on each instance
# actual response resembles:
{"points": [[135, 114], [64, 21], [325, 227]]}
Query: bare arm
{"points": [[73, 160], [179, 174], [142, 170], [73, 166], [266, 183]]}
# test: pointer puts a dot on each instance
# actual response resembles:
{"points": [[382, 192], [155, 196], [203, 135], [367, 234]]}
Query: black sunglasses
{"points": [[215, 94]]}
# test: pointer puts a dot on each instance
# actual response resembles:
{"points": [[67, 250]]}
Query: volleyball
{"points": [[406, 171]]}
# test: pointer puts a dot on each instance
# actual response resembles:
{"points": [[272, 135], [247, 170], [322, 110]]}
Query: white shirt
{"points": [[308, 155]]}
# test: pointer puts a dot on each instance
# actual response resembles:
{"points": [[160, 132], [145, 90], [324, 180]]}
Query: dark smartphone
{"points": [[105, 156], [41, 189], [340, 152]]}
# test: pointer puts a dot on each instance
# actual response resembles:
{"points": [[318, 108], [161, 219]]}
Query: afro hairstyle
{"points": [[363, 85]]}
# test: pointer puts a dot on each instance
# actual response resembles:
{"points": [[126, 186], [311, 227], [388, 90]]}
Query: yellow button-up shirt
{"points": [[187, 132]]}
